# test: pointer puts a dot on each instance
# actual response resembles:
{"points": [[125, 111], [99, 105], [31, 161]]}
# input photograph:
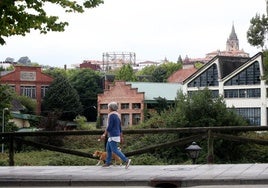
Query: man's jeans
{"points": [[111, 147]]}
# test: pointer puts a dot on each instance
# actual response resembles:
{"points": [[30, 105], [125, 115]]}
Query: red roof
{"points": [[181, 75]]}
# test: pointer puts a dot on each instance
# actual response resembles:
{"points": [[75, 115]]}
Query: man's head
{"points": [[113, 106]]}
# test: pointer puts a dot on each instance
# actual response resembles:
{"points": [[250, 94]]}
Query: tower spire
{"points": [[232, 43]]}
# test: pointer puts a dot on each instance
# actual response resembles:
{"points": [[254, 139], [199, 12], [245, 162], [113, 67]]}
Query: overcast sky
{"points": [[153, 29]]}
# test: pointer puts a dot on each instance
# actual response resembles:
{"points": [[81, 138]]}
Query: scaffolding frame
{"points": [[113, 60]]}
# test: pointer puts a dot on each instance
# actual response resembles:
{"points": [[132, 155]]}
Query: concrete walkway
{"points": [[138, 176]]}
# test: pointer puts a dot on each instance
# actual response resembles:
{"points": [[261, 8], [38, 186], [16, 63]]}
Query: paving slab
{"points": [[136, 175]]}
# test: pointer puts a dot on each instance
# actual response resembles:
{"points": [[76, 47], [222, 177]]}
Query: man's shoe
{"points": [[128, 163], [106, 165]]}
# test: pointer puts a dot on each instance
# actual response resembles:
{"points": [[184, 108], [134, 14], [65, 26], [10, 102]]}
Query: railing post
{"points": [[11, 150], [210, 156]]}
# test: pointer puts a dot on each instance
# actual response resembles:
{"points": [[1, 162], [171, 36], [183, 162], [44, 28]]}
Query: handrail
{"points": [[209, 132], [141, 131]]}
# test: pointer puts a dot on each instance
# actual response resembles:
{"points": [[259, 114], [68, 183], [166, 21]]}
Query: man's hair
{"points": [[113, 106]]}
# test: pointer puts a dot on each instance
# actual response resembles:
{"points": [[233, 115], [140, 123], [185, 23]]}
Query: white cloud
{"points": [[153, 29]]}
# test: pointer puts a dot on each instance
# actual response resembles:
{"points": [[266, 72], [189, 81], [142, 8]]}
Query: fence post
{"points": [[11, 150], [210, 157]]}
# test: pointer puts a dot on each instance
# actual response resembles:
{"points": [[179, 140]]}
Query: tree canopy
{"points": [[5, 102], [258, 29], [201, 109], [198, 109], [18, 17], [160, 73], [5, 96], [88, 84], [126, 73], [62, 99]]}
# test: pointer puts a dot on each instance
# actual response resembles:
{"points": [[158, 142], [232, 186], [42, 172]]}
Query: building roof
{"points": [[235, 53], [180, 75], [24, 116], [227, 65], [153, 90]]}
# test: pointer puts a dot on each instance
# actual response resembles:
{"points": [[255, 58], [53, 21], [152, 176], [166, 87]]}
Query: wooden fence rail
{"points": [[210, 133]]}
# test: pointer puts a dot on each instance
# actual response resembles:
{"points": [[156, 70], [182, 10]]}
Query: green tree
{"points": [[265, 64], [170, 68], [257, 31], [6, 98], [201, 109], [161, 104], [61, 98], [6, 94], [88, 84], [198, 65], [145, 74], [29, 104], [180, 60], [54, 72], [159, 74], [18, 17], [126, 73], [257, 36], [148, 70]]}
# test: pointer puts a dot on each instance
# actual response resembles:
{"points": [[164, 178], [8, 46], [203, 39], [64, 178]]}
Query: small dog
{"points": [[102, 157]]}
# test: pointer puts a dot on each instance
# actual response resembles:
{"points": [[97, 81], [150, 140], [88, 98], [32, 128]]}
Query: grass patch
{"points": [[46, 158]]}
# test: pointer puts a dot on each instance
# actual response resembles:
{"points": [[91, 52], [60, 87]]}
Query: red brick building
{"points": [[91, 65], [28, 81], [133, 98], [129, 100]]}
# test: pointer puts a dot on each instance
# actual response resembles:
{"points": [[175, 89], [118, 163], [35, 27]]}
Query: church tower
{"points": [[232, 43]]}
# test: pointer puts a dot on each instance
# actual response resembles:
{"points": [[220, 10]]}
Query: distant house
{"points": [[133, 98], [22, 120], [141, 65], [28, 81], [18, 118], [91, 65]]}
